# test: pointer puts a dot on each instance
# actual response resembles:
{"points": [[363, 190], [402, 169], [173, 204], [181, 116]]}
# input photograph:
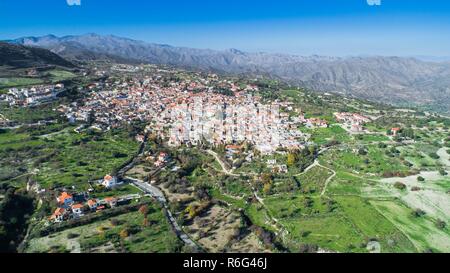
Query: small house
{"points": [[93, 204], [111, 201], [395, 131], [109, 181], [65, 199], [77, 209], [59, 215]]}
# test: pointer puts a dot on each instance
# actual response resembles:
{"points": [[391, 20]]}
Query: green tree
{"points": [[291, 159]]}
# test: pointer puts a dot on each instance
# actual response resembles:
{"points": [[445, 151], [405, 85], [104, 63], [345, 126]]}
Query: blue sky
{"points": [[324, 27]]}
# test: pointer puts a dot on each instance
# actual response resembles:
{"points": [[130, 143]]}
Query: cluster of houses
{"points": [[188, 110], [219, 119], [123, 100], [310, 122], [69, 208], [161, 160], [353, 121], [76, 205], [28, 96], [158, 160]]}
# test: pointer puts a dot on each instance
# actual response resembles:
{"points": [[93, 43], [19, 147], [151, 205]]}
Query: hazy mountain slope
{"points": [[385, 79], [19, 56]]}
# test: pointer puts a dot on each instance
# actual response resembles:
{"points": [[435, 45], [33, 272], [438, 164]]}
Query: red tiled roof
{"points": [[59, 211], [92, 202], [64, 196], [77, 206], [108, 177]]}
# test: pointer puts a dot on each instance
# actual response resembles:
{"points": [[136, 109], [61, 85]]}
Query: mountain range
{"points": [[396, 80]]}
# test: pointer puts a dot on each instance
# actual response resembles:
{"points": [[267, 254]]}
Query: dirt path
{"points": [[222, 164], [444, 156], [317, 164], [328, 179]]}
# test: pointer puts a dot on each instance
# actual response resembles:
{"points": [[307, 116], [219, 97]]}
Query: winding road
{"points": [[158, 195]]}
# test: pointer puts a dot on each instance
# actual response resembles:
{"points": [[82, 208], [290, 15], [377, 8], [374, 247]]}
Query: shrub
{"points": [[441, 224], [400, 185], [382, 145], [308, 248], [72, 235], [418, 213], [305, 233], [434, 155]]}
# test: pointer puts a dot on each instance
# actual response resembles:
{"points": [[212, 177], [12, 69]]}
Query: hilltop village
{"points": [[141, 158], [187, 112]]}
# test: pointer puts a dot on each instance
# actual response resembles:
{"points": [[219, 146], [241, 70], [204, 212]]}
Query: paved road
{"points": [[156, 193]]}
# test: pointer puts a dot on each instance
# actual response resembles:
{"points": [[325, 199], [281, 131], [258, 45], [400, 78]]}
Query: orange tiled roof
{"points": [[59, 211], [64, 196], [77, 206], [92, 202]]}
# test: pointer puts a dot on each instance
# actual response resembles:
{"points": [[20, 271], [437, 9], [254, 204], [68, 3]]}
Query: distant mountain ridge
{"points": [[398, 80]]}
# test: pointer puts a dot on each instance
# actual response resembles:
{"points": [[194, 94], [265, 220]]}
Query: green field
{"points": [[374, 160], [30, 114], [331, 232], [324, 135], [55, 155], [60, 75], [79, 158], [348, 224], [313, 181], [373, 138], [421, 231], [16, 82], [346, 183], [374, 225]]}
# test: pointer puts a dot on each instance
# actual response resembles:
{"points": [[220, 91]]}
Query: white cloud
{"points": [[74, 2], [374, 2]]}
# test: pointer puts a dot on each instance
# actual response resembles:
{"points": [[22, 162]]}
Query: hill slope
{"points": [[19, 56]]}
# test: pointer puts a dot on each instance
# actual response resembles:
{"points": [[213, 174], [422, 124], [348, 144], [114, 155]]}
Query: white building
{"points": [[109, 181]]}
